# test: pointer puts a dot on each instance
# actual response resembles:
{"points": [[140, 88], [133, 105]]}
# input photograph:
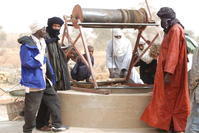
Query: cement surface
{"points": [[16, 127], [117, 110]]}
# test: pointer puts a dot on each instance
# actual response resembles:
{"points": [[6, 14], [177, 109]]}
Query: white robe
{"points": [[122, 61]]}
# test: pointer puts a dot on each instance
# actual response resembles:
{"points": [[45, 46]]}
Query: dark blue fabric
{"points": [[49, 72], [80, 71]]}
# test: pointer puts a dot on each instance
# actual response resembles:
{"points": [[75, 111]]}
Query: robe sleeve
{"points": [[173, 51]]}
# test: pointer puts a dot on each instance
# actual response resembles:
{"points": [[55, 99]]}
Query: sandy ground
{"points": [[5, 127]]}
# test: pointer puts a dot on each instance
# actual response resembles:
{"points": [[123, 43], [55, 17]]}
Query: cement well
{"points": [[120, 109]]}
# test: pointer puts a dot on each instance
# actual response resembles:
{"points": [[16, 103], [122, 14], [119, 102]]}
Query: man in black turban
{"points": [[50, 105], [54, 26], [56, 54], [168, 18]]}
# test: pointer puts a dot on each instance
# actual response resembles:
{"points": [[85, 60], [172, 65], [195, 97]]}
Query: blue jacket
{"points": [[31, 72]]}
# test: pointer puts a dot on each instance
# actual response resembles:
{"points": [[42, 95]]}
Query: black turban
{"points": [[55, 20], [166, 12], [53, 32]]}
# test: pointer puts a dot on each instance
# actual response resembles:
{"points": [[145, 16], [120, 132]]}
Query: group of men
{"points": [[44, 71]]}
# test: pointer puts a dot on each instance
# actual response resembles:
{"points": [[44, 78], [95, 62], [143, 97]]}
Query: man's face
{"points": [[165, 23], [91, 51], [41, 33], [56, 27]]}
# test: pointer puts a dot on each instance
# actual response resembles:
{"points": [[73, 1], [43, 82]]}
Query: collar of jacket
{"points": [[28, 41]]}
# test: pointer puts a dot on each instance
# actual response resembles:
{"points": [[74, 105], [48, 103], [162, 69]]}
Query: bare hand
{"points": [[167, 78]]}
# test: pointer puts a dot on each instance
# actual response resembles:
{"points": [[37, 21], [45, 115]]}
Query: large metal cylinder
{"points": [[104, 16]]}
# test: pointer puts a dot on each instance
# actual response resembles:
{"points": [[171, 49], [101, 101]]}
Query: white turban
{"points": [[120, 45], [117, 32], [142, 42], [35, 27], [146, 57]]}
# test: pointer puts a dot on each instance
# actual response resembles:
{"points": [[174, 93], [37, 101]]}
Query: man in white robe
{"points": [[118, 57]]}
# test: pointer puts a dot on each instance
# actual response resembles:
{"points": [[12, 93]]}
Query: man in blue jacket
{"points": [[33, 70], [37, 75]]}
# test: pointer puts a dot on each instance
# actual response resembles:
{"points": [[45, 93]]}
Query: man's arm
{"points": [[27, 60]]}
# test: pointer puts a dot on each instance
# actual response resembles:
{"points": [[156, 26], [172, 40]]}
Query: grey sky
{"points": [[17, 15]]}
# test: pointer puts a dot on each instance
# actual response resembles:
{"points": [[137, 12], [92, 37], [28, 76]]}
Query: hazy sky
{"points": [[17, 15]]}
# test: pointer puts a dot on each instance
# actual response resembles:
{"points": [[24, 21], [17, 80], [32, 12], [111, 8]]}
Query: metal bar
{"points": [[88, 57], [78, 52], [79, 35], [133, 64], [148, 9], [102, 82], [73, 43], [82, 57], [133, 55], [115, 24], [138, 85], [144, 39], [66, 32], [146, 49], [104, 92]]}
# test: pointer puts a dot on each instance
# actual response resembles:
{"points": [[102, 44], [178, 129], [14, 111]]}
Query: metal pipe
{"points": [[91, 15], [113, 25]]}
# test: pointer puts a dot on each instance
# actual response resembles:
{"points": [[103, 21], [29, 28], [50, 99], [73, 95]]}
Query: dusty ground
{"points": [[17, 128]]}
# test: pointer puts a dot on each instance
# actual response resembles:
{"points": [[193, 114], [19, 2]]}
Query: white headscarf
{"points": [[146, 57], [35, 27], [120, 45]]}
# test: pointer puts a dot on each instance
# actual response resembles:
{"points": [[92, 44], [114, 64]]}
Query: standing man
{"points": [[169, 106], [33, 71], [50, 105], [192, 123], [56, 54]]}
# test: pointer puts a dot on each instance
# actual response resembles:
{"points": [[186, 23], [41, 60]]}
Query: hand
{"points": [[167, 78]]}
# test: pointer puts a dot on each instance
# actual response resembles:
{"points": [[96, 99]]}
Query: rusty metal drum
{"points": [[108, 18]]}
